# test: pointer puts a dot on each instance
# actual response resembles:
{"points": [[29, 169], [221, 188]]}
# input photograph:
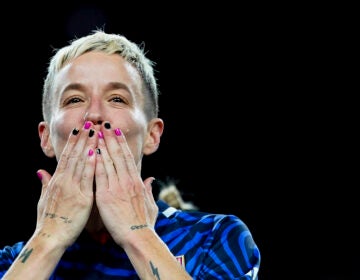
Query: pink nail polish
{"points": [[39, 175], [91, 152], [101, 135], [118, 131], [87, 125]]}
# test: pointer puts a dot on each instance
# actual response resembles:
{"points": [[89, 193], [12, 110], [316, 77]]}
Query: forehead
{"points": [[99, 66], [96, 70]]}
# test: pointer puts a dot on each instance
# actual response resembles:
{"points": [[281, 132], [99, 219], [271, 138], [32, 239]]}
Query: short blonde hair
{"points": [[100, 41]]}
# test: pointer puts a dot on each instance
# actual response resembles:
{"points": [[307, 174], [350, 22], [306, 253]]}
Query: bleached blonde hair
{"points": [[99, 41]]}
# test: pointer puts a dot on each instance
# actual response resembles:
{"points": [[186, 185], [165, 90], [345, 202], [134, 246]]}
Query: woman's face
{"points": [[98, 87]]}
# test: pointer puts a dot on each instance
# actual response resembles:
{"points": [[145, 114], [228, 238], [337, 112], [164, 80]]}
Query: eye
{"points": [[73, 100], [117, 99]]}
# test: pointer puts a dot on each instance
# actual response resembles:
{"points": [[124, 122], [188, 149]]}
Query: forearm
{"points": [[152, 259], [37, 260]]}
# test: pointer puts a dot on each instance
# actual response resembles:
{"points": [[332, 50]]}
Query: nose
{"points": [[93, 117]]}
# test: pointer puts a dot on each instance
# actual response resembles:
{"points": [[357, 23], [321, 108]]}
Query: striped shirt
{"points": [[209, 246]]}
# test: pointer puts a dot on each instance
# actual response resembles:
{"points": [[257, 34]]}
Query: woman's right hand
{"points": [[67, 196]]}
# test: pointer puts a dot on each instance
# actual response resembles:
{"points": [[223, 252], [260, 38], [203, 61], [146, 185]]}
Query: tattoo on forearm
{"points": [[25, 255], [155, 271], [44, 234], [138, 227], [53, 216], [66, 220]]}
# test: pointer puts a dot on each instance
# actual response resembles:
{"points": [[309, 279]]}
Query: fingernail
{"points": [[118, 131], [87, 125], [75, 131], [107, 125]]}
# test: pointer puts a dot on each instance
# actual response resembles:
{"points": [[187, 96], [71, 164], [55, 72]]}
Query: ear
{"points": [[45, 141], [152, 141]]}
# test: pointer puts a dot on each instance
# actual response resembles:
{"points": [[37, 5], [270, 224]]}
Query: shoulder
{"points": [[205, 239], [198, 220]]}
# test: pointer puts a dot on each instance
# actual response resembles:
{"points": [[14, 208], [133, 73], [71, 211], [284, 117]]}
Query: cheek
{"points": [[132, 128], [60, 130], [135, 126], [65, 121], [61, 126], [134, 131]]}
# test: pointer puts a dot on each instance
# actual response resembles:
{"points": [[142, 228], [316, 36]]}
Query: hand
{"points": [[124, 201], [67, 196]]}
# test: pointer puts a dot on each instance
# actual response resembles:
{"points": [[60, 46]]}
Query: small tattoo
{"points": [[138, 227], [24, 256], [66, 220], [44, 234], [53, 216], [50, 215], [155, 271]]}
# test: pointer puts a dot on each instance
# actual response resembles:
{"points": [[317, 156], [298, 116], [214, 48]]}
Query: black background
{"points": [[256, 122]]}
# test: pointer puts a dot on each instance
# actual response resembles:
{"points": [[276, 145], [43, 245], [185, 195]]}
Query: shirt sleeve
{"points": [[8, 255], [232, 252]]}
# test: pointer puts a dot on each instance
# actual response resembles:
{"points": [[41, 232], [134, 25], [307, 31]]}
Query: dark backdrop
{"points": [[254, 126]]}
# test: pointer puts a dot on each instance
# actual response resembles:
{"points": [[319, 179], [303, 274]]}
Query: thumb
{"points": [[44, 177], [147, 182]]}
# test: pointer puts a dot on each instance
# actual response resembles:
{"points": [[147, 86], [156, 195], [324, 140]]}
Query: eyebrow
{"points": [[111, 85], [73, 86], [117, 85]]}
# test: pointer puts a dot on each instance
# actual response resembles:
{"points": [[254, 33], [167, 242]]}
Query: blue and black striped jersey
{"points": [[209, 246]]}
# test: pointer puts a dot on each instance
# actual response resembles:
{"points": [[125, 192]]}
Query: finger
{"points": [[148, 184], [105, 170], [149, 197], [74, 159], [86, 161], [78, 156], [123, 163], [128, 157], [73, 149], [101, 175], [116, 161], [44, 177], [65, 155]]}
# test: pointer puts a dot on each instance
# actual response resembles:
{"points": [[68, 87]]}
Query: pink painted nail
{"points": [[101, 135], [87, 125], [118, 131], [91, 152]]}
